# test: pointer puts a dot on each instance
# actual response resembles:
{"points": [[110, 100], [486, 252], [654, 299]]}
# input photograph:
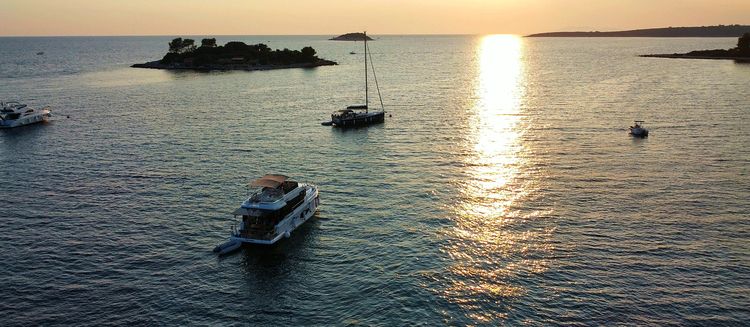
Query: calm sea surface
{"points": [[504, 189]]}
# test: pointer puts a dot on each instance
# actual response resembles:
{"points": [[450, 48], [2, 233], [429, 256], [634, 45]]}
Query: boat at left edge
{"points": [[15, 114], [275, 208]]}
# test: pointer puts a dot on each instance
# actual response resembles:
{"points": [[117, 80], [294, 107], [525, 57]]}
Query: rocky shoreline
{"points": [[741, 53], [246, 67], [689, 56]]}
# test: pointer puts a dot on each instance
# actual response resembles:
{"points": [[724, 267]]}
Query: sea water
{"points": [[502, 188]]}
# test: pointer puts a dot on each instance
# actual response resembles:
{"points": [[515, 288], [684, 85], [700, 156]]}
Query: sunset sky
{"points": [[305, 17]]}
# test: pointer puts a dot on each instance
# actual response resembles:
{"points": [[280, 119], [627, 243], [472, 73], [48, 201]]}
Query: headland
{"points": [[695, 31], [741, 53]]}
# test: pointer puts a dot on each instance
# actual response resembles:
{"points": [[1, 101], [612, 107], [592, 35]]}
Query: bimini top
{"points": [[270, 180]]}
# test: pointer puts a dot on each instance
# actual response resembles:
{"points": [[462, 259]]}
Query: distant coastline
{"points": [[697, 31], [185, 55]]}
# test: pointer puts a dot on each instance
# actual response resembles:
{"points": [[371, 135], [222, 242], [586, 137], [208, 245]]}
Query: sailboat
{"points": [[360, 115]]}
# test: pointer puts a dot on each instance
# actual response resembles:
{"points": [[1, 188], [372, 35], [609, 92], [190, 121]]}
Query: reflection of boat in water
{"points": [[638, 130], [273, 211], [360, 115], [14, 114]]}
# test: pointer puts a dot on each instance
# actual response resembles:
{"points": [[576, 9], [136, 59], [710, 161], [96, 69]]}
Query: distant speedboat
{"points": [[40, 53], [360, 115], [352, 52], [273, 211], [14, 114], [638, 130]]}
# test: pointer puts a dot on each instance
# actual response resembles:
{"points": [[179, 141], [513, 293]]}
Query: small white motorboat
{"points": [[638, 130], [227, 247], [272, 212], [14, 114]]}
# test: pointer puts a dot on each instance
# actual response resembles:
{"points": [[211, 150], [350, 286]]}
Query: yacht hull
{"points": [[369, 118], [639, 132], [23, 121]]}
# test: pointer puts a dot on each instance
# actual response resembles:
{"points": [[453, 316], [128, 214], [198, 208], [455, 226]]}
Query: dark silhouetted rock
{"points": [[351, 37]]}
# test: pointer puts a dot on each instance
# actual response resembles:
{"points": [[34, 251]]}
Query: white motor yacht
{"points": [[14, 114], [638, 130], [276, 208]]}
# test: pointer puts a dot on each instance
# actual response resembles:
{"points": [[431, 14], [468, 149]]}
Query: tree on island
{"points": [[743, 44], [183, 52], [179, 45], [209, 43], [175, 45], [308, 53], [188, 45]]}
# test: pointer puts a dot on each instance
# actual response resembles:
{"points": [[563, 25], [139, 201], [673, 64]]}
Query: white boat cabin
{"points": [[275, 199]]}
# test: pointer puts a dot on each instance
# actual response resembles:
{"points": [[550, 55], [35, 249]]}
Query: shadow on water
{"points": [[356, 129], [191, 73], [638, 139], [272, 273], [21, 132]]}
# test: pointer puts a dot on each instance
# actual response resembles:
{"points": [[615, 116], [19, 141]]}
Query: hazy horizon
{"points": [[344, 32], [295, 17]]}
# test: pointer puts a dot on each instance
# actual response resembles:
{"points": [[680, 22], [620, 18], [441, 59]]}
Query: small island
{"points": [[740, 53], [184, 54], [351, 37]]}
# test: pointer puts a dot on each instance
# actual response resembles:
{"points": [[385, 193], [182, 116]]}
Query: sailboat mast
{"points": [[366, 100]]}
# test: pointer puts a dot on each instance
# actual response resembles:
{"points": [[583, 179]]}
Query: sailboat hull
{"points": [[359, 119]]}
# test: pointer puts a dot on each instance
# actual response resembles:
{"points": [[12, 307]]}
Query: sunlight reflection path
{"points": [[489, 248]]}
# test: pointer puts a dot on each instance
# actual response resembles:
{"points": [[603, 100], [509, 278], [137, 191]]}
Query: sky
{"points": [[332, 17]]}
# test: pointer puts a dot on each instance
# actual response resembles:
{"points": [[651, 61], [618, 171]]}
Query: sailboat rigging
{"points": [[360, 115]]}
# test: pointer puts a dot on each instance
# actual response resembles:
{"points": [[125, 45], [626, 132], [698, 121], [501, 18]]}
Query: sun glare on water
{"points": [[496, 113], [487, 247]]}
